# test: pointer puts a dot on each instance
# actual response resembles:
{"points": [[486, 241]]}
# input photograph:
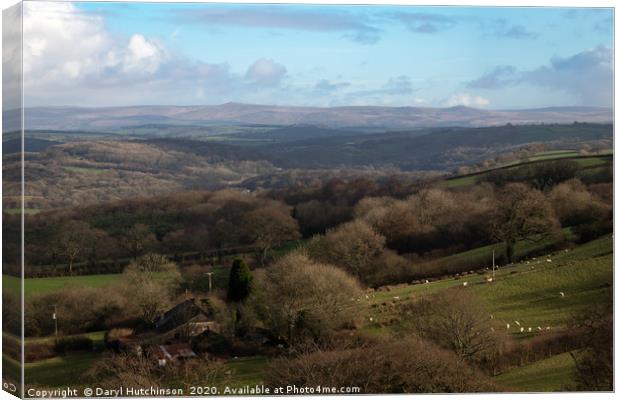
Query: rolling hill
{"points": [[368, 117]]}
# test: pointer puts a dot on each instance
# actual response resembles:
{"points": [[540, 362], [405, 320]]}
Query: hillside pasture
{"points": [[528, 292], [585, 162], [549, 375]]}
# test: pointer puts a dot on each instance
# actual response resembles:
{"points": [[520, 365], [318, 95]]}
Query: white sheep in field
{"points": [[539, 328], [561, 294], [426, 281], [548, 328], [548, 260], [521, 330], [529, 329], [507, 326], [517, 322], [396, 297], [464, 283]]}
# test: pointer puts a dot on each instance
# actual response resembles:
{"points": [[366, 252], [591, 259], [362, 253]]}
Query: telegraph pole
{"points": [[493, 265], [55, 318], [209, 275]]}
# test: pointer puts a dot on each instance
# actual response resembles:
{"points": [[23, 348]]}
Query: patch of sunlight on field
{"points": [[247, 370], [34, 286], [534, 298], [555, 373]]}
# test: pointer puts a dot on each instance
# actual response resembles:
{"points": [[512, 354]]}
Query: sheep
{"points": [[464, 283], [529, 329], [507, 326], [548, 260], [517, 322], [561, 294], [370, 319], [548, 328], [489, 280], [396, 297], [521, 330], [426, 281], [539, 328]]}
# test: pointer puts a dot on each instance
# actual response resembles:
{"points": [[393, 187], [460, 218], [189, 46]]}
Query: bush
{"points": [[454, 319], [78, 310], [588, 232], [39, 351], [408, 366], [212, 343], [305, 300]]}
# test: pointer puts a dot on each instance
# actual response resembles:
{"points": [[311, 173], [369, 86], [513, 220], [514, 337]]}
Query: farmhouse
{"points": [[187, 319]]}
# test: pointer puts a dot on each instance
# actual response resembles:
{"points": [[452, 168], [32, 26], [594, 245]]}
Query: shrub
{"points": [[454, 319], [39, 351], [303, 299], [408, 366]]}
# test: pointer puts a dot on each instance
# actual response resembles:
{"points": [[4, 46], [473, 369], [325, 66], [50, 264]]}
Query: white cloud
{"points": [[464, 99], [142, 55], [265, 72]]}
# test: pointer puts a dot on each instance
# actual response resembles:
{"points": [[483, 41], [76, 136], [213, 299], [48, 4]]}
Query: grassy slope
{"points": [[549, 375], [533, 298], [46, 285], [247, 370], [584, 161], [60, 371], [522, 292]]}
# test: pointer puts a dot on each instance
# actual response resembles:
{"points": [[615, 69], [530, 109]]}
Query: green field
{"points": [[549, 375], [529, 292], [60, 371], [33, 286], [247, 370], [533, 298], [590, 161]]}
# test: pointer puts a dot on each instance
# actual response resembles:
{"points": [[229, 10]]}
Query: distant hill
{"points": [[354, 117]]}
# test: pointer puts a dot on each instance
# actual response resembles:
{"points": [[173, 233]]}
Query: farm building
{"points": [[169, 353], [186, 319]]}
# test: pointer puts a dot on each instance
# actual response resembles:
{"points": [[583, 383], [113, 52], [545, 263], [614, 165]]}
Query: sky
{"points": [[117, 54]]}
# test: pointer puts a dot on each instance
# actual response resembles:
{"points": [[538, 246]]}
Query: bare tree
{"points": [[522, 213], [138, 239], [149, 285], [306, 298], [269, 227], [73, 239], [355, 246], [455, 319]]}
